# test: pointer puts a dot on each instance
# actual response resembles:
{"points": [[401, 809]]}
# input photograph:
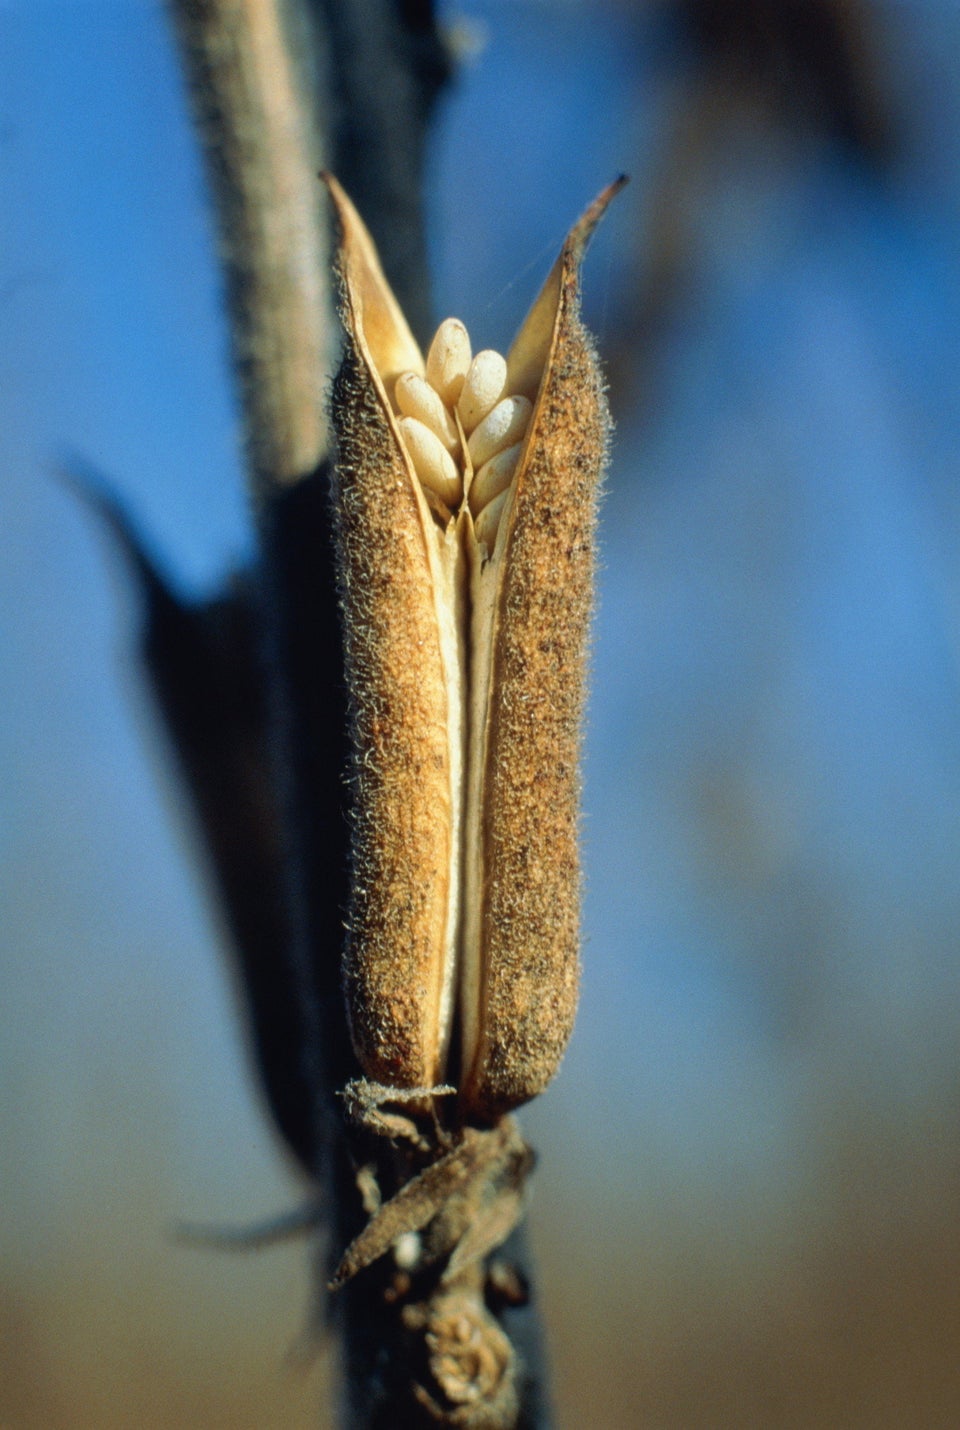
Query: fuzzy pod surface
{"points": [[466, 635]]}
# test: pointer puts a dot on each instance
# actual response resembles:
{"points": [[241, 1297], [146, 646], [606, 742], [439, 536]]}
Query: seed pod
{"points": [[396, 573], [466, 661]]}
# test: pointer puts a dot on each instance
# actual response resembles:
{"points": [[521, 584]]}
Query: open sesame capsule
{"points": [[466, 632]]}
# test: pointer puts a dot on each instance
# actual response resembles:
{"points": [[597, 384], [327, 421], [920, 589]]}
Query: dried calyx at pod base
{"points": [[465, 504]]}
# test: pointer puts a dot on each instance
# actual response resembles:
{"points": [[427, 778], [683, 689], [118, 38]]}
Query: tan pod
{"points": [[466, 664]]}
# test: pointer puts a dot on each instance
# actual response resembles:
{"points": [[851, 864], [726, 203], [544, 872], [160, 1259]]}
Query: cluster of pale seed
{"points": [[494, 425]]}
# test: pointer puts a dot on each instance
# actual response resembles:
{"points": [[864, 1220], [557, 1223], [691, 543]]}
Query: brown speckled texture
{"points": [[511, 825], [401, 776], [531, 780]]}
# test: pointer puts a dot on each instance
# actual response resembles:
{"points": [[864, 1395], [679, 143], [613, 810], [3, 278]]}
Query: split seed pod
{"points": [[466, 640]]}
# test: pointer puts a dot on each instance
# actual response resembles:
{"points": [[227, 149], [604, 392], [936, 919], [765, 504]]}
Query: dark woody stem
{"points": [[281, 89]]}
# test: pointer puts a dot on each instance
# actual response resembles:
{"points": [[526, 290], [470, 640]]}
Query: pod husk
{"points": [[528, 883], [467, 673], [403, 804]]}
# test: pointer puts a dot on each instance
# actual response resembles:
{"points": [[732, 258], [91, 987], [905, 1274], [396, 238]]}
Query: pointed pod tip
{"points": [[582, 231], [528, 354], [341, 202], [373, 310], [331, 182]]}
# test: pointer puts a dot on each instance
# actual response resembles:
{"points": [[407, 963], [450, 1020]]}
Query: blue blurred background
{"points": [[746, 1209]]}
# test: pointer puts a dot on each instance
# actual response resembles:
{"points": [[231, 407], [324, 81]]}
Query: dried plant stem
{"points": [[258, 117], [281, 89]]}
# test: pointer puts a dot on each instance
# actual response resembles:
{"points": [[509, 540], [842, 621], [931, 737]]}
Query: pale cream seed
{"points": [[482, 388], [497, 424], [432, 462], [494, 477], [416, 398], [488, 521], [502, 427], [448, 360]]}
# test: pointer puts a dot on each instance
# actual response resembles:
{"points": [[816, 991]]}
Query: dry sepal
{"points": [[465, 499]]}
